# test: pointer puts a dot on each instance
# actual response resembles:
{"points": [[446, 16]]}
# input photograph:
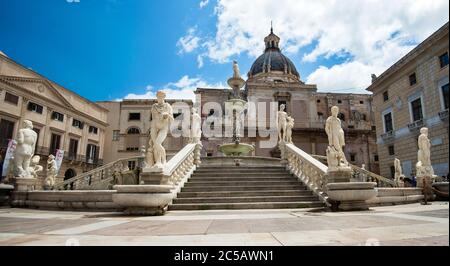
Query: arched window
{"points": [[133, 131], [341, 116]]}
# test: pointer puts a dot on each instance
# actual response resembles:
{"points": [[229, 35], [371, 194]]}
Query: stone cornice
{"points": [[26, 93], [426, 44]]}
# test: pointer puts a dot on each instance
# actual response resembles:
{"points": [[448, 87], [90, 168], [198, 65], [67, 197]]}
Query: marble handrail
{"points": [[181, 165], [88, 179], [357, 169], [308, 169]]}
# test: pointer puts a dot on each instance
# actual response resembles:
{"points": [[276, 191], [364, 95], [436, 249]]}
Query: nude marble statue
{"points": [[162, 117], [282, 123], [423, 166], [26, 143], [289, 126], [336, 141], [196, 126]]}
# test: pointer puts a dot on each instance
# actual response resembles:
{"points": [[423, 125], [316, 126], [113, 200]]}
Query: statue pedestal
{"points": [[153, 176], [339, 175], [22, 184]]}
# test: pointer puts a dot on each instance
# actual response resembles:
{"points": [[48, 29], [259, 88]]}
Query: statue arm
{"points": [[20, 137]]}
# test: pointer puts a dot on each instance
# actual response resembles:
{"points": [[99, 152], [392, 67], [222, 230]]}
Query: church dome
{"points": [[273, 59]]}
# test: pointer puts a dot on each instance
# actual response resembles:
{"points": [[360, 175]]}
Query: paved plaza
{"points": [[412, 224]]}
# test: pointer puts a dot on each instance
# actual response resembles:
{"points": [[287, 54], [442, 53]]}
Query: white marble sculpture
{"points": [[336, 141], [162, 117], [236, 72], [282, 123], [196, 126], [52, 169], [24, 152], [423, 166], [289, 126], [399, 176]]}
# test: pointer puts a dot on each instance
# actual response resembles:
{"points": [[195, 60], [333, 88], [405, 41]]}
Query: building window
{"points": [[77, 124], [57, 116], [386, 96], [116, 135], [376, 158], [73, 149], [412, 79], [55, 143], [176, 115], [93, 130], [445, 95], [92, 153], [392, 170], [361, 102], [391, 150], [133, 149], [416, 110], [320, 115], [443, 60], [209, 154], [388, 125], [6, 132], [339, 101], [34, 107], [131, 165], [11, 98], [133, 131], [352, 157], [134, 117]]}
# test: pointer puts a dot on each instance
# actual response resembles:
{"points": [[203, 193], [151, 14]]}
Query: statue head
{"points": [[160, 96], [51, 157], [28, 124], [282, 107], [334, 111], [424, 131]]}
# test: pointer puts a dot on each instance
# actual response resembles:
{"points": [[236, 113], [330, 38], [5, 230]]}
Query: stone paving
{"points": [[394, 225]]}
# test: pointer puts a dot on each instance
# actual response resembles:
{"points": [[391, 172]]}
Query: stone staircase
{"points": [[231, 187]]}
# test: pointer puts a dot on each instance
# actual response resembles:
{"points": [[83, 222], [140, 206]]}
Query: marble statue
{"points": [[196, 126], [399, 176], [52, 169], [423, 166], [162, 117], [236, 72], [336, 141], [282, 123], [35, 168], [290, 125], [26, 143]]}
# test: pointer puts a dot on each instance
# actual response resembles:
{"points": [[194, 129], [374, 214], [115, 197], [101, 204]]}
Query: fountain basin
{"points": [[233, 149]]}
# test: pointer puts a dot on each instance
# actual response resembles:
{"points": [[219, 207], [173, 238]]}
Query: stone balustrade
{"points": [[309, 170], [97, 179]]}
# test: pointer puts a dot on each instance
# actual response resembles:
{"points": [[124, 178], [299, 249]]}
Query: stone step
{"points": [[241, 188], [238, 179], [244, 170], [241, 183], [225, 174], [245, 199], [260, 193], [247, 205]]}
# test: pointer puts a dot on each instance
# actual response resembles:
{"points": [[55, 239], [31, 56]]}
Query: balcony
{"points": [[388, 135], [416, 125], [443, 115]]}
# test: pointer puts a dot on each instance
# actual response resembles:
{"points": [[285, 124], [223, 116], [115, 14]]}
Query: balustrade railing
{"points": [[370, 177], [183, 164], [98, 178], [309, 170]]}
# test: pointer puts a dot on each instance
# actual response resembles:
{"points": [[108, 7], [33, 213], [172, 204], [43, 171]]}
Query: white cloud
{"points": [[373, 33], [189, 42], [204, 3], [180, 90]]}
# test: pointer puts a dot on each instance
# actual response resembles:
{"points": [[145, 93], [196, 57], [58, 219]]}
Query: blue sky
{"points": [[111, 49]]}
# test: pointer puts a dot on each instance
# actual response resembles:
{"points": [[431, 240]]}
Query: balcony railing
{"points": [[416, 125], [443, 115], [388, 135]]}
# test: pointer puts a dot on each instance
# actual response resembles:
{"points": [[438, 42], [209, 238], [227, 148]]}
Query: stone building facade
{"points": [[274, 78], [411, 94], [129, 124], [62, 119]]}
